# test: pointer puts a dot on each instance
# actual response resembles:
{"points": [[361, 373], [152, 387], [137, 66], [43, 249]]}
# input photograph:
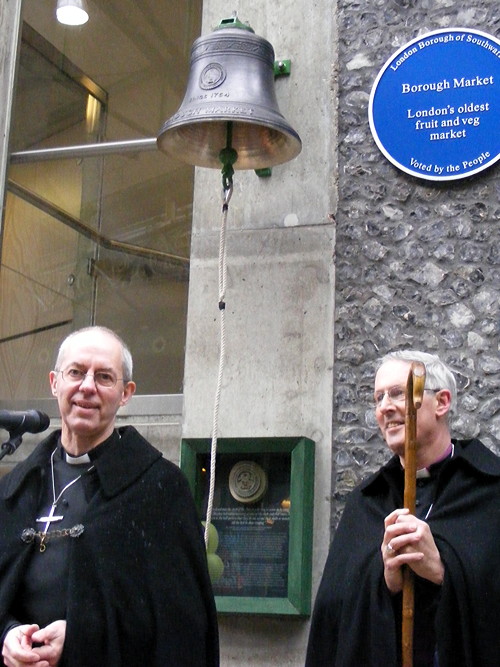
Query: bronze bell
{"points": [[230, 102]]}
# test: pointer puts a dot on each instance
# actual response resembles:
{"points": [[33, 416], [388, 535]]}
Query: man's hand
{"points": [[52, 639], [18, 649], [409, 541]]}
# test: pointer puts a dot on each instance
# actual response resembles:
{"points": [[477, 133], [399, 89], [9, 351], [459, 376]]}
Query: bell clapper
{"points": [[228, 157]]}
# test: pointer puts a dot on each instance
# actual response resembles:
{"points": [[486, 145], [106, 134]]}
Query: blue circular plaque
{"points": [[434, 108]]}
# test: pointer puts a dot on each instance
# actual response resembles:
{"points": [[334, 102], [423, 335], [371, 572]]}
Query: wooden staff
{"points": [[414, 395]]}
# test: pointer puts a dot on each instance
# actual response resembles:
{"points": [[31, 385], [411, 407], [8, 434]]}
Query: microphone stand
{"points": [[10, 445]]}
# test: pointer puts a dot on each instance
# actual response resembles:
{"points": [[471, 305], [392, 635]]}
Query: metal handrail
{"points": [[90, 233], [84, 150]]}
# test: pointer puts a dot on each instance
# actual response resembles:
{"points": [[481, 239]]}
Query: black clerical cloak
{"points": [[355, 621], [138, 590]]}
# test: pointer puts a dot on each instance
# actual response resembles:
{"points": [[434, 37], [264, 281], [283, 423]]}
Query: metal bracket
{"points": [[282, 67], [265, 172]]}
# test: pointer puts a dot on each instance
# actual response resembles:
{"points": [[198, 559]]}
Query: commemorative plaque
{"points": [[434, 108], [253, 524], [262, 512]]}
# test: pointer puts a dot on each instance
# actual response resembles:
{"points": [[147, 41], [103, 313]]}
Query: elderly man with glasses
{"points": [[451, 543], [102, 560]]}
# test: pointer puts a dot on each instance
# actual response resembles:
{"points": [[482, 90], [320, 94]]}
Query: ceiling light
{"points": [[72, 12]]}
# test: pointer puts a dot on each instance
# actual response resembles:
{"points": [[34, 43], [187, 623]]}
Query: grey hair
{"points": [[127, 362], [437, 373]]}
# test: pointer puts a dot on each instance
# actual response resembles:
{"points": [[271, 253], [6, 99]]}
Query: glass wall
{"points": [[97, 221]]}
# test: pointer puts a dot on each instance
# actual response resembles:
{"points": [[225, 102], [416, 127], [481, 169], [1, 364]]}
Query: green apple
{"points": [[213, 537], [215, 567]]}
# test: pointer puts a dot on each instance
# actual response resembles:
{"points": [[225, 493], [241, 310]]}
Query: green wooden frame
{"points": [[301, 454]]}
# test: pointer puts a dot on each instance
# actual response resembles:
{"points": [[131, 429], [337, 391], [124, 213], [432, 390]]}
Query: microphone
{"points": [[31, 421]]}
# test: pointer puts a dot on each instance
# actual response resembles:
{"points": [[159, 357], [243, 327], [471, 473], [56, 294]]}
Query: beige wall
{"points": [[278, 374]]}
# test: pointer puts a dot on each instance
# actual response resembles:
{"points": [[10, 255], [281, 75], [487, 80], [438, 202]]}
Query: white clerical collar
{"points": [[425, 472], [77, 460]]}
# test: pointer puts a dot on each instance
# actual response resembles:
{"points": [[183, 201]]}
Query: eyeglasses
{"points": [[395, 395], [101, 378]]}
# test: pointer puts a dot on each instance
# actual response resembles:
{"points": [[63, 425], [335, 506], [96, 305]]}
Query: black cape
{"points": [[138, 587], [355, 622]]}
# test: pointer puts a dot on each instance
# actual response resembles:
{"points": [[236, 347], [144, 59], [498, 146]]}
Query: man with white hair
{"points": [[102, 559], [451, 543]]}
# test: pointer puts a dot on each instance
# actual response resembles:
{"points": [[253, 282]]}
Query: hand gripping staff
{"points": [[414, 395]]}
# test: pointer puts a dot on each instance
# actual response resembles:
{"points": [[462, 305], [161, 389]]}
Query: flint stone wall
{"points": [[417, 262]]}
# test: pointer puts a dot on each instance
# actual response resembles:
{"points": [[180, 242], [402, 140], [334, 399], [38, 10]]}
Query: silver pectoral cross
{"points": [[50, 518]]}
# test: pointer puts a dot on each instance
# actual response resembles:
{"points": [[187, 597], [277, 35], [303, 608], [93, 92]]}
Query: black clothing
{"points": [[42, 594], [138, 589], [356, 621]]}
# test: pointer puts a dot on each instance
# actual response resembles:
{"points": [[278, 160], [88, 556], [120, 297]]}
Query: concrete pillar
{"points": [[10, 13], [278, 375]]}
